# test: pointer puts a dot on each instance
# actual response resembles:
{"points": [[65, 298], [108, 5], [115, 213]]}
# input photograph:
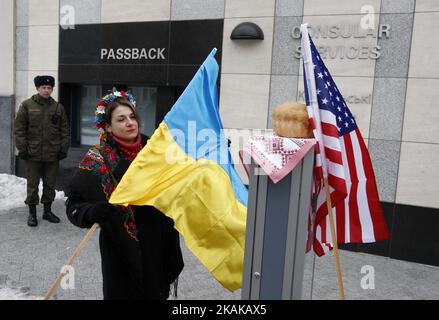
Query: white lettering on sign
{"points": [[342, 31], [132, 54], [349, 31], [103, 53], [342, 52]]}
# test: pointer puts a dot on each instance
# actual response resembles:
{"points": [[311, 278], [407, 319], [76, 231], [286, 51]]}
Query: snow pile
{"points": [[13, 192], [16, 294]]}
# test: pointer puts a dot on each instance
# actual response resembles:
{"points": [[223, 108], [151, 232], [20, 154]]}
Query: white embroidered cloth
{"points": [[277, 156]]}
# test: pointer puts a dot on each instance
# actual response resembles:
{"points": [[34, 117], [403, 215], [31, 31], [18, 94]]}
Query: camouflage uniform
{"points": [[42, 137]]}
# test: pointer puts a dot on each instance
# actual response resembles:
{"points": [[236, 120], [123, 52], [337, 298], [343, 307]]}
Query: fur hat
{"points": [[44, 81], [290, 119]]}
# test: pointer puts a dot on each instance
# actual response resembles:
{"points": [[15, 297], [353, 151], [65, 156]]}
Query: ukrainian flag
{"points": [[186, 171]]}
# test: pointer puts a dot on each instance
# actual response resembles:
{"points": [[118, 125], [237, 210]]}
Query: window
{"points": [[90, 95], [146, 104]]}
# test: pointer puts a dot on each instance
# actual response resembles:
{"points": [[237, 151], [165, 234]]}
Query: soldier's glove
{"points": [[101, 212], [23, 155], [62, 155]]}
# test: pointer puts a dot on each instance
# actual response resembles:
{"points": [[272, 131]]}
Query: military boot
{"points": [[48, 214], [32, 219]]}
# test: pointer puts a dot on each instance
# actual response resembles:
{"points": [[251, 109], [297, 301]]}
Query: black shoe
{"points": [[32, 219], [49, 215]]}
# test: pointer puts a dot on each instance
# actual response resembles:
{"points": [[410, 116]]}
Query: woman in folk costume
{"points": [[140, 249]]}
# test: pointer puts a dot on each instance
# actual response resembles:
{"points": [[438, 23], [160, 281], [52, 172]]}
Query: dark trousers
{"points": [[36, 170]]}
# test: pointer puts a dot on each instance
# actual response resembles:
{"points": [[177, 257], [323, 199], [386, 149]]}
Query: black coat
{"points": [[131, 269]]}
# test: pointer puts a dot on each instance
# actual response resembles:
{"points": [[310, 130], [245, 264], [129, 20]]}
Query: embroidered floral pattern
{"points": [[102, 105], [95, 163]]}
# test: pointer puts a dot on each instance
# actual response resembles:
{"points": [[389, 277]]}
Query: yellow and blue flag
{"points": [[186, 171]]}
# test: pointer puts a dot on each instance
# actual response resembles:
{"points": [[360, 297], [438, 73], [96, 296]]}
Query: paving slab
{"points": [[31, 259]]}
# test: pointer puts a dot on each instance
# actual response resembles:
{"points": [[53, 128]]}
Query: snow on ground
{"points": [[13, 192], [16, 294]]}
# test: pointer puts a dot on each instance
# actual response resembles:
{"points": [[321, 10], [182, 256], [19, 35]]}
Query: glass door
{"points": [[146, 104], [89, 97]]}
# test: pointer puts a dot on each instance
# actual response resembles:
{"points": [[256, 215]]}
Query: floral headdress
{"points": [[103, 103]]}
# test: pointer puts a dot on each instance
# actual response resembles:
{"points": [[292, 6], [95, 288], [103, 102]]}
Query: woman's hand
{"points": [[101, 212]]}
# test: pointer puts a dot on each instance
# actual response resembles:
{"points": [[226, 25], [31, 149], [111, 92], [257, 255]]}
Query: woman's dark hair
{"points": [[116, 103]]}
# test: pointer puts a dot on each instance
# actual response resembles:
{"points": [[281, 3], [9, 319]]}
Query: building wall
{"points": [[245, 73], [393, 97], [398, 119], [37, 31], [7, 22], [7, 52], [418, 180]]}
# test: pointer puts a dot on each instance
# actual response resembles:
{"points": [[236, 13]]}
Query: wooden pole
{"points": [[78, 250], [334, 240]]}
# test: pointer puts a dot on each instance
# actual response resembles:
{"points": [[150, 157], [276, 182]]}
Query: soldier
{"points": [[42, 137]]}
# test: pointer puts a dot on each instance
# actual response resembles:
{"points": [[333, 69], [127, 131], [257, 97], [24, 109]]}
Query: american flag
{"points": [[342, 158]]}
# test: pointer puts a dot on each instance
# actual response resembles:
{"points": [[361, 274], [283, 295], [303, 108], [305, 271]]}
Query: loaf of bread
{"points": [[290, 119]]}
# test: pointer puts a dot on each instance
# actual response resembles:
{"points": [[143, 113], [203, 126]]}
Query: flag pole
{"points": [[75, 255], [310, 84], [334, 240]]}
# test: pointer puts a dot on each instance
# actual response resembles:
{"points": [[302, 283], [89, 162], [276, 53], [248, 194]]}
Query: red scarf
{"points": [[128, 150]]}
